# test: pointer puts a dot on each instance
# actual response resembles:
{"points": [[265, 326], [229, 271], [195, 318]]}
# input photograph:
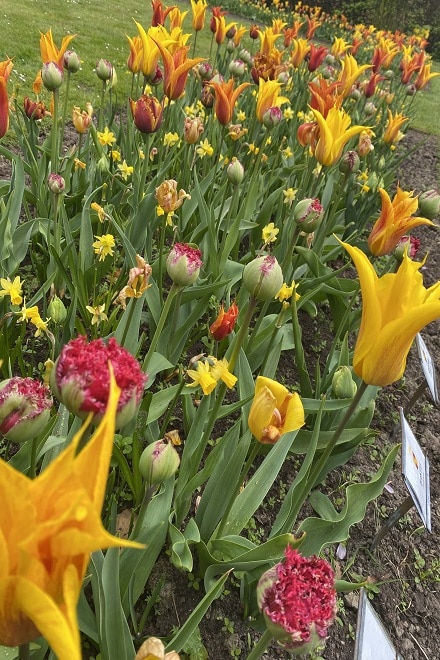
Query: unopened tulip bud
{"points": [[370, 109], [283, 77], [104, 69], [272, 117], [207, 97], [56, 183], [411, 90], [254, 31], [24, 408], [103, 165], [263, 277], [52, 76], [230, 47], [153, 649], [329, 59], [327, 72], [158, 461], [183, 264], [237, 68], [343, 385], [56, 310], [205, 71], [408, 244], [245, 55], [235, 171], [308, 214], [429, 204], [71, 61], [156, 78], [349, 162], [389, 74], [355, 94]]}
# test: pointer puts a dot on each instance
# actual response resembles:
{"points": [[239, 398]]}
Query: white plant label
{"points": [[428, 367], [372, 641], [415, 468]]}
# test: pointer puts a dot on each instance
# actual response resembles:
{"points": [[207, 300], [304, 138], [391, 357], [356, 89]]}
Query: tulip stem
{"points": [[23, 652], [261, 646], [64, 115], [54, 153], [175, 288]]}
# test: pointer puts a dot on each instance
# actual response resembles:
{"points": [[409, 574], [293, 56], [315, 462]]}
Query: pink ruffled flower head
{"points": [[298, 600], [24, 408], [81, 380], [184, 263]]}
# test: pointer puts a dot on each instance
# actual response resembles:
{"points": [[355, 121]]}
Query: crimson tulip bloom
{"points": [[147, 113]]}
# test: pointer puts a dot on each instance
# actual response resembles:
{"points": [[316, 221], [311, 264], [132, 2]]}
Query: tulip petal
{"points": [[278, 391], [294, 418], [261, 412]]}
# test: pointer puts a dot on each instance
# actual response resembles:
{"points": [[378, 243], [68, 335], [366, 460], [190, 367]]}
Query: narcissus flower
{"points": [[395, 221], [297, 598], [274, 411], [334, 133], [395, 307], [12, 289], [24, 408], [81, 381], [224, 323], [103, 246]]}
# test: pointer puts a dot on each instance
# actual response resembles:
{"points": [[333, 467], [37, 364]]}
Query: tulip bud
{"points": [[71, 61], [52, 76], [237, 68], [411, 90], [183, 264], [153, 649], [56, 310], [80, 378], [156, 78], [245, 55], [102, 165], [327, 72], [56, 183], [349, 162], [343, 385], [297, 598], [355, 94], [283, 77], [205, 71], [308, 214], [207, 97], [158, 461], [235, 171], [364, 145], [263, 277], [254, 31], [147, 113], [104, 70], [370, 109], [389, 74], [272, 117], [429, 204], [192, 129], [24, 408], [230, 47], [408, 244], [329, 59]]}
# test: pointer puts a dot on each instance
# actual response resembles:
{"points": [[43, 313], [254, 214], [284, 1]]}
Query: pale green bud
{"points": [[158, 462], [263, 277], [343, 385]]}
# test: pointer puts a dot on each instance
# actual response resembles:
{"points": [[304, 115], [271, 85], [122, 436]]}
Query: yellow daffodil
{"points": [[104, 245], [396, 219], [268, 97], [98, 314], [49, 526], [12, 289], [106, 137], [171, 140], [269, 233], [286, 292], [395, 307], [202, 376], [220, 371], [40, 324], [125, 170], [99, 210], [289, 195], [274, 411], [334, 133], [28, 313], [204, 149]]}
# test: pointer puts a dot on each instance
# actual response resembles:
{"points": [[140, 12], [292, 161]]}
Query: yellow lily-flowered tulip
{"points": [[49, 51], [198, 8], [48, 528], [268, 97], [274, 411], [226, 98], [425, 75], [392, 130], [299, 49], [334, 133], [349, 73], [395, 307], [267, 40], [396, 220]]}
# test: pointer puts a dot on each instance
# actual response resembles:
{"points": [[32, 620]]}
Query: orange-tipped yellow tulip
{"points": [[198, 14], [392, 130], [225, 99], [48, 528], [425, 75], [268, 97], [334, 133], [396, 219], [349, 73], [395, 307], [274, 411], [5, 70], [300, 48], [50, 52], [176, 69]]}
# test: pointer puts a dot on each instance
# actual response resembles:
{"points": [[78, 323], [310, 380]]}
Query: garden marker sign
{"points": [[415, 468], [372, 641], [428, 367]]}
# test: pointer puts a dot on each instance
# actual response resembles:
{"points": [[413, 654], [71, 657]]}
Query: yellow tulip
{"points": [[198, 8], [392, 130], [349, 73], [395, 221], [334, 133], [48, 528], [268, 97], [274, 411], [395, 307]]}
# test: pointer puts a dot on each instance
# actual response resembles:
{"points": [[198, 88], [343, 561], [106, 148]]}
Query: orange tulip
{"points": [[159, 13], [50, 52], [396, 219], [225, 99], [176, 69], [5, 70]]}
